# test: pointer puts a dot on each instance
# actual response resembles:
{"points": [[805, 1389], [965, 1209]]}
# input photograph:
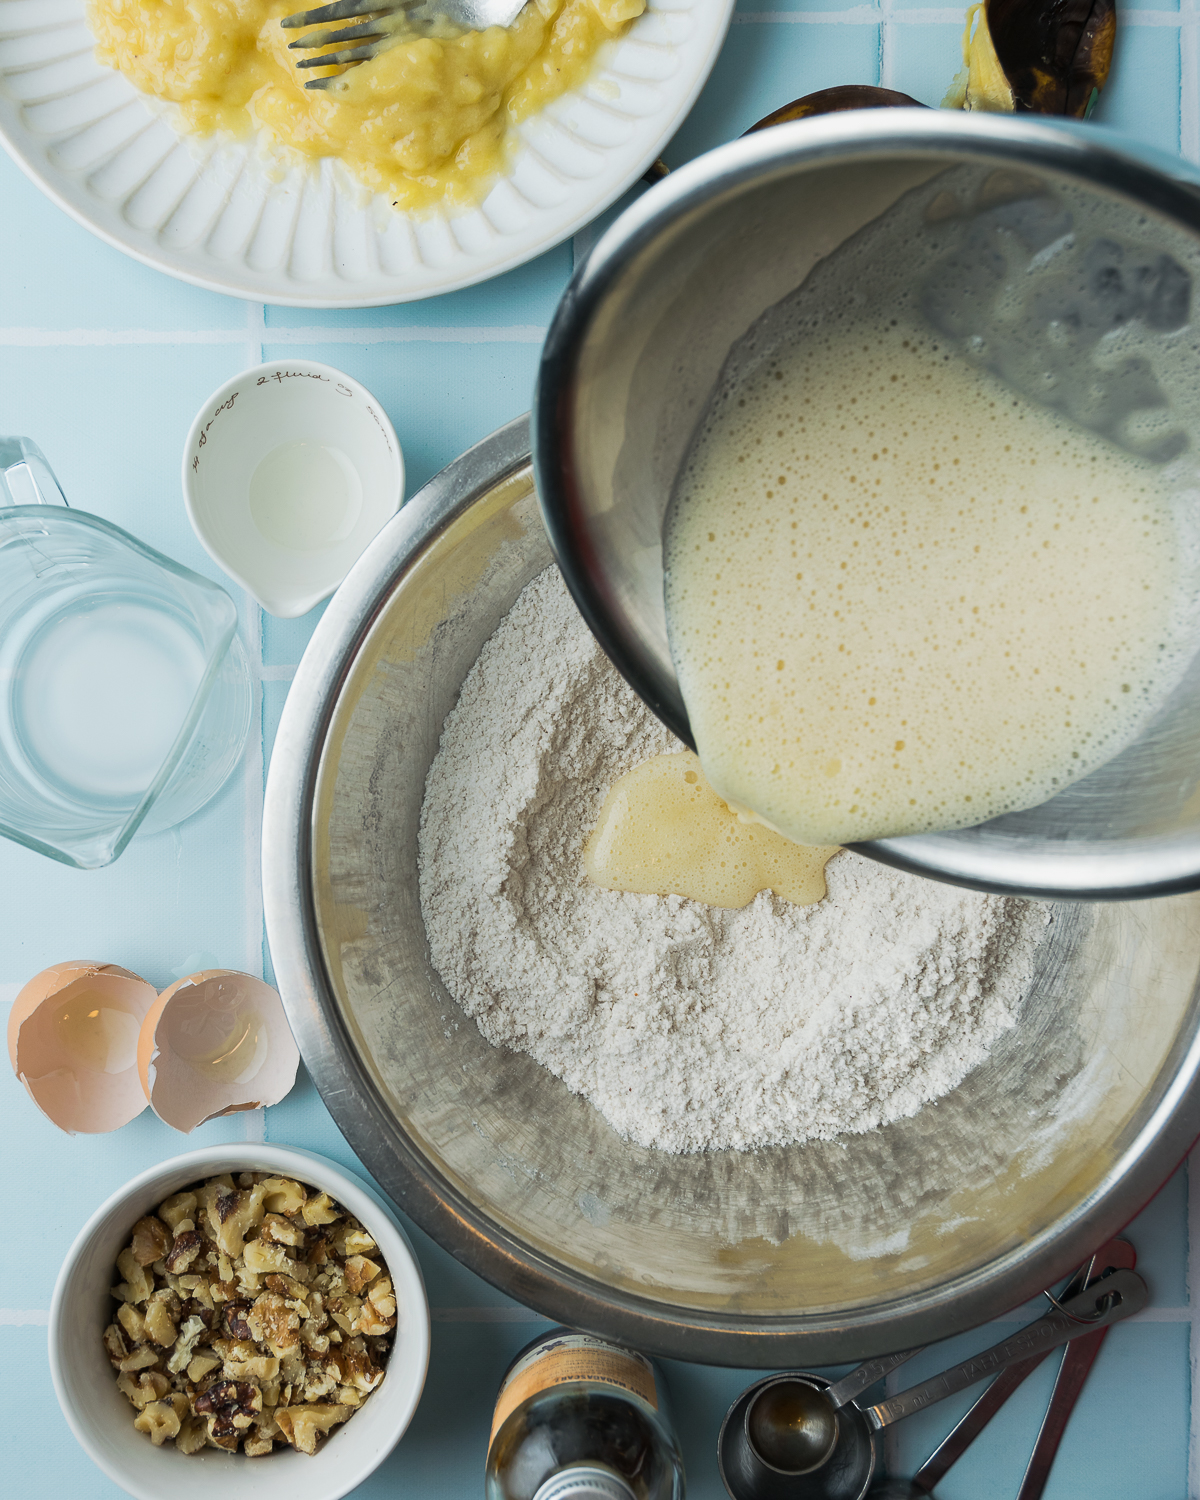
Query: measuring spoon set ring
{"points": [[799, 1436]]}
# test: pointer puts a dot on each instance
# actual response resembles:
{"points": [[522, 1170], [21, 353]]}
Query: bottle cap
{"points": [[584, 1484]]}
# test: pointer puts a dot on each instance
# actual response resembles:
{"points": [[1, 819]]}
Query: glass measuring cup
{"points": [[125, 695]]}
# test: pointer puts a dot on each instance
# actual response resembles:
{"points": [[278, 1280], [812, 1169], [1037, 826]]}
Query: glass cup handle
{"points": [[25, 476]]}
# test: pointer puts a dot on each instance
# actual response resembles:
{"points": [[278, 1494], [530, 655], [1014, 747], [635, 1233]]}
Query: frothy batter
{"points": [[904, 597]]}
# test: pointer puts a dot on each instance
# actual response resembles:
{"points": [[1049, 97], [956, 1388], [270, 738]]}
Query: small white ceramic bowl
{"points": [[289, 470], [102, 1419]]}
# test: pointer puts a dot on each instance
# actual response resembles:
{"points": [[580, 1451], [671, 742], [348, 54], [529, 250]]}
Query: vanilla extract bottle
{"points": [[578, 1418]]}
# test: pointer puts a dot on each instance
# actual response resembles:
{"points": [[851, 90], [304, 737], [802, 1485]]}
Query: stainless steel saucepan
{"points": [[647, 323]]}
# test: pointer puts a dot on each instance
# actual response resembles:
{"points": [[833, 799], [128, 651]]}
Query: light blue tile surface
{"points": [[112, 413], [526, 296], [1149, 114], [765, 64], [925, 56], [94, 286]]}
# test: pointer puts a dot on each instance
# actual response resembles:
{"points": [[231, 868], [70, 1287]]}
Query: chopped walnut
{"points": [[201, 1365], [192, 1436], [149, 1386], [345, 1310], [291, 1366], [303, 1426], [222, 1334], [277, 1230], [193, 1330], [140, 1359], [233, 1318], [354, 1367], [282, 1195], [289, 1288], [187, 1247], [178, 1207], [114, 1344], [160, 1326], [350, 1238], [242, 1359], [318, 1381], [150, 1241], [232, 1214], [382, 1297], [132, 1322], [360, 1271], [161, 1419], [320, 1210], [370, 1322], [274, 1323], [201, 1293], [262, 1258], [138, 1283], [230, 1406]]}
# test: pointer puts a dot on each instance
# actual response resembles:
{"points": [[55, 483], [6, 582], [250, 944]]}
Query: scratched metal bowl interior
{"points": [[795, 1254]]}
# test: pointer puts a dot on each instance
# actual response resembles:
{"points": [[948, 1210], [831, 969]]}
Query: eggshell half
{"points": [[72, 1041], [213, 1044]]}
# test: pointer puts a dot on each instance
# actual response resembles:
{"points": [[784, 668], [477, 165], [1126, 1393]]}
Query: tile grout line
{"points": [[77, 338], [254, 1124], [886, 48], [855, 15], [932, 15], [1189, 80]]}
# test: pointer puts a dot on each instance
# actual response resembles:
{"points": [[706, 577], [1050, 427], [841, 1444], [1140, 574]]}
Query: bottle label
{"points": [[573, 1357]]}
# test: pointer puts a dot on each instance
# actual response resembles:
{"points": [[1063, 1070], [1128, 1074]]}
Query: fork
{"points": [[386, 25]]}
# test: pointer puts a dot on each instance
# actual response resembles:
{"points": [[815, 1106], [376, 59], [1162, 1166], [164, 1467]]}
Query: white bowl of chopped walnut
{"points": [[247, 1316]]}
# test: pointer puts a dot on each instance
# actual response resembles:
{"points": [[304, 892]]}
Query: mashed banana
{"points": [[426, 121]]}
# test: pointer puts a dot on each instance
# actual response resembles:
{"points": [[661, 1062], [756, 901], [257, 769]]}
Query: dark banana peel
{"points": [[823, 102], [832, 101], [1045, 57], [1042, 57]]}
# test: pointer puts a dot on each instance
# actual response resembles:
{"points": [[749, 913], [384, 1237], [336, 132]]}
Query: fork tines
{"points": [[340, 10], [378, 31]]}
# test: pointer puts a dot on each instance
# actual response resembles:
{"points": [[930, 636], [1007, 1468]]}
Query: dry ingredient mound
{"points": [[690, 1028]]}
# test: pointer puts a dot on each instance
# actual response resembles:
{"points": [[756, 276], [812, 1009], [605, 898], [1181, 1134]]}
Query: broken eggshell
{"points": [[213, 1044], [73, 1042]]}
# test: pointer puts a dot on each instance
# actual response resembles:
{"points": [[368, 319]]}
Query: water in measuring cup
{"points": [[305, 496], [102, 690]]}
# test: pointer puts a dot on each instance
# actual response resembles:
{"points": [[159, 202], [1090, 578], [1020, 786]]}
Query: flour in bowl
{"points": [[689, 1027]]}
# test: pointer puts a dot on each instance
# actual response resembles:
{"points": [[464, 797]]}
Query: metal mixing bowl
{"points": [[788, 1256], [637, 344]]}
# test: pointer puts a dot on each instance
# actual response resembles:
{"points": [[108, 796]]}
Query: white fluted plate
{"points": [[214, 214]]}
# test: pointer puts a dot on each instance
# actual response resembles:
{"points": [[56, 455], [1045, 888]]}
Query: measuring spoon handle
{"points": [[952, 1448], [866, 1375], [1115, 1255], [1125, 1293], [1080, 1357]]}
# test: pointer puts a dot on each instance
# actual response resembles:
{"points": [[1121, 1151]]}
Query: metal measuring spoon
{"points": [[799, 1445], [780, 1420], [1117, 1254], [1077, 1362]]}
